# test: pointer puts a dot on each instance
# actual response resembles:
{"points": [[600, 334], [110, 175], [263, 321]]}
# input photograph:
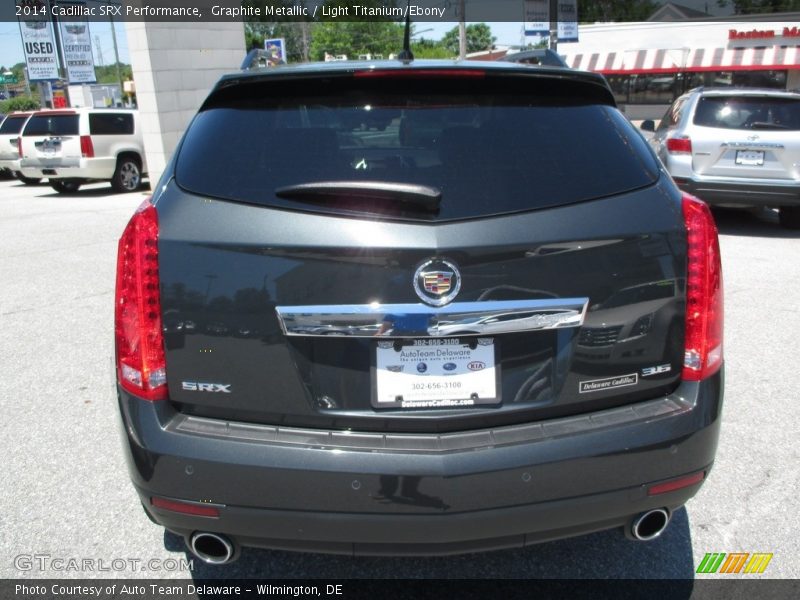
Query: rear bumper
{"points": [[411, 494], [745, 193], [84, 168], [9, 165]]}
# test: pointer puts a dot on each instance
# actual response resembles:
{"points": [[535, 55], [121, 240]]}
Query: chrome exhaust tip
{"points": [[649, 525], [212, 548]]}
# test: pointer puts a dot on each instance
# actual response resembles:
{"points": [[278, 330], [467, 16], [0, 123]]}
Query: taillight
{"points": [[87, 148], [703, 346], [141, 365], [679, 145], [19, 146]]}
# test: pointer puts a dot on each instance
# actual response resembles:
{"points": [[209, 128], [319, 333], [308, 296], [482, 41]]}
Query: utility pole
{"points": [[462, 31], [304, 39], [116, 56], [554, 25], [99, 50], [27, 84], [60, 53], [57, 36], [303, 36]]}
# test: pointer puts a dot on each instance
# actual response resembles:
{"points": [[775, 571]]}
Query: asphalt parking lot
{"points": [[66, 492]]}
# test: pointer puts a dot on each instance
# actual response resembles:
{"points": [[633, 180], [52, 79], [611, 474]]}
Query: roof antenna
{"points": [[406, 55]]}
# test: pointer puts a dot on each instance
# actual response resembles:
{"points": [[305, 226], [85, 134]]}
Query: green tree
{"points": [[615, 10], [18, 103], [108, 73], [424, 48], [479, 38], [252, 38], [355, 37], [749, 7], [292, 29]]}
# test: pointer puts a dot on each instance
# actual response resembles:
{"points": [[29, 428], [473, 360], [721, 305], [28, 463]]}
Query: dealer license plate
{"points": [[750, 158], [435, 373]]}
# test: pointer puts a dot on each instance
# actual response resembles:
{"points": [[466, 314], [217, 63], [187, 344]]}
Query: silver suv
{"points": [[735, 147]]}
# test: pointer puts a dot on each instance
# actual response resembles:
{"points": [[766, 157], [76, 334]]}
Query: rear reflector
{"points": [[141, 365], [397, 73], [675, 484], [87, 148], [679, 146], [704, 307], [186, 508]]}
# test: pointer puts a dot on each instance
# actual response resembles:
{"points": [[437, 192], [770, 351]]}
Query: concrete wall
{"points": [[174, 67]]}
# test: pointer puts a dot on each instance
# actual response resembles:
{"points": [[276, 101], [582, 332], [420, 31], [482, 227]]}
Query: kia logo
{"points": [[476, 365]]}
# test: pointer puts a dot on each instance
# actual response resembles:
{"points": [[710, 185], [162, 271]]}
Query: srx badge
{"points": [[196, 386]]}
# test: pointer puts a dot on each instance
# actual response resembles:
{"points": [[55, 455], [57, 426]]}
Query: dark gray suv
{"points": [[416, 308]]}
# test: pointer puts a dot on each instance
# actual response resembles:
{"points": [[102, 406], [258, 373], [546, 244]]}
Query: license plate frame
{"points": [[455, 373], [750, 158]]}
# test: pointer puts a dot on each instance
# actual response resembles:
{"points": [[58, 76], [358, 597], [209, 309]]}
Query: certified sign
{"points": [[76, 41], [431, 373]]}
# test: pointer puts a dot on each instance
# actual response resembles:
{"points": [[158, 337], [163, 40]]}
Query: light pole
{"points": [[462, 31]]}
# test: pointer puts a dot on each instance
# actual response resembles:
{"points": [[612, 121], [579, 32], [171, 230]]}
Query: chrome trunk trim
{"points": [[458, 318]]}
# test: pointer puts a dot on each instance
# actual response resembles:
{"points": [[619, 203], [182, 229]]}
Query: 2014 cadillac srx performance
{"points": [[416, 308]]}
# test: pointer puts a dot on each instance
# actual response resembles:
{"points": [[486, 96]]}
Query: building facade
{"points": [[650, 64]]}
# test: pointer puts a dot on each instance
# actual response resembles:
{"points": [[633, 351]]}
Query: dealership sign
{"points": [[276, 48], [537, 19], [39, 47], [76, 43]]}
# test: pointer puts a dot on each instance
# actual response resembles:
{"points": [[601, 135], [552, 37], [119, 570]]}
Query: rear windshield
{"points": [[489, 148], [12, 125], [52, 125], [743, 112]]}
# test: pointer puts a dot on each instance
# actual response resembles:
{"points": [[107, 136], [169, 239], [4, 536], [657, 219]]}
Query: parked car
{"points": [[538, 56], [9, 146], [74, 146], [735, 147], [414, 434]]}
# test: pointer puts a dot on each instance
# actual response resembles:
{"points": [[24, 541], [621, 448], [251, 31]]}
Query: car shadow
{"points": [[19, 184], [91, 192], [602, 555], [751, 223]]}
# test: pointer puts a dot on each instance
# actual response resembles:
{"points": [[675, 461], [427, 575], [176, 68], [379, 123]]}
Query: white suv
{"points": [[73, 146], [735, 147], [9, 148]]}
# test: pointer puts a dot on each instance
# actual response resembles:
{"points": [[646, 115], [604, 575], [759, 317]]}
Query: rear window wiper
{"points": [[767, 125], [422, 197]]}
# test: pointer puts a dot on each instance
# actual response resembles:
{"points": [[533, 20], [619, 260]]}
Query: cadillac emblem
{"points": [[437, 282]]}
